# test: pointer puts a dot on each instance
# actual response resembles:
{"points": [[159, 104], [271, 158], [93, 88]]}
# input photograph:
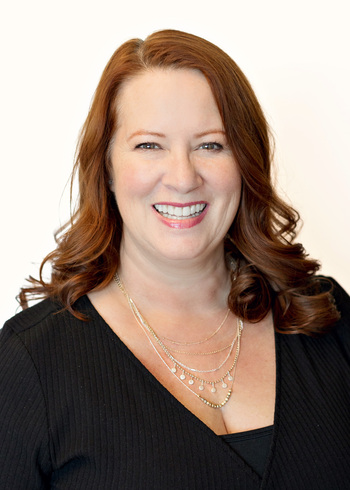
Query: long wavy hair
{"points": [[272, 271]]}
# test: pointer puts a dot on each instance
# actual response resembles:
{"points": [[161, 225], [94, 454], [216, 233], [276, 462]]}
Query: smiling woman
{"points": [[185, 340], [184, 166]]}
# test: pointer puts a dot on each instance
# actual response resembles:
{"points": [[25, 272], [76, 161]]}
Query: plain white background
{"points": [[295, 54]]}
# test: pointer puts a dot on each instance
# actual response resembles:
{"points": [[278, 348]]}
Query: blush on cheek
{"points": [[135, 181]]}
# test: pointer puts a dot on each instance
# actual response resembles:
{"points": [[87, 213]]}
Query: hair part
{"points": [[272, 272]]}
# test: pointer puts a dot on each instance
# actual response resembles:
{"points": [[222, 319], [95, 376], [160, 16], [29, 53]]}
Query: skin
{"points": [[170, 149]]}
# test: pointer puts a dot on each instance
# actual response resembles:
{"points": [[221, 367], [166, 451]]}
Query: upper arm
{"points": [[24, 441]]}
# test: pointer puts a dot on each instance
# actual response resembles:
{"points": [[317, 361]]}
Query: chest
{"points": [[251, 403], [120, 417]]}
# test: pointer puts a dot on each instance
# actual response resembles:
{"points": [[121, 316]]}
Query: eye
{"points": [[211, 146], [148, 146]]}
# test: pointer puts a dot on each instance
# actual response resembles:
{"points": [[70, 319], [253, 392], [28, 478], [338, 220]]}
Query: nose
{"points": [[181, 173]]}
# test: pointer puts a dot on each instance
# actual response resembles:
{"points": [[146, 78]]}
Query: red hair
{"points": [[272, 270]]}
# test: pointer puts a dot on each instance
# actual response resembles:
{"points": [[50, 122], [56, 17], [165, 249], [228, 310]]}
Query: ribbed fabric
{"points": [[79, 411]]}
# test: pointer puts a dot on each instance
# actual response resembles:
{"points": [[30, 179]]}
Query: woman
{"points": [[185, 340]]}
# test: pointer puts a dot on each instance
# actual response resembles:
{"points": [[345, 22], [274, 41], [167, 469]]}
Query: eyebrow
{"points": [[210, 131], [144, 132]]}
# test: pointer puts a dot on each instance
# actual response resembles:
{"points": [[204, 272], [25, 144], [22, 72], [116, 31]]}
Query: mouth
{"points": [[180, 212]]}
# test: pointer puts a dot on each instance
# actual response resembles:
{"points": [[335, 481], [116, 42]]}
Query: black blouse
{"points": [[79, 411]]}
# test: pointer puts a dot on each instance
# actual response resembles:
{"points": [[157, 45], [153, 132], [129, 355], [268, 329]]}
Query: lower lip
{"points": [[181, 224]]}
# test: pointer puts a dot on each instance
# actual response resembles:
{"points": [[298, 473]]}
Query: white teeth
{"points": [[178, 212]]}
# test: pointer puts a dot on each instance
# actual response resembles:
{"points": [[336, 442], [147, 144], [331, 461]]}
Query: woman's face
{"points": [[176, 182]]}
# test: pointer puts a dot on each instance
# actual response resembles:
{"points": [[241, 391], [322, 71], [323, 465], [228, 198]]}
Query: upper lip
{"points": [[179, 204]]}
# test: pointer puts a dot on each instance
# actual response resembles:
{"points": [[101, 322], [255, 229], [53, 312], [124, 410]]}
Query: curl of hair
{"points": [[272, 271]]}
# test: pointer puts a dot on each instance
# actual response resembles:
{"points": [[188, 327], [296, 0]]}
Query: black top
{"points": [[79, 411], [253, 446]]}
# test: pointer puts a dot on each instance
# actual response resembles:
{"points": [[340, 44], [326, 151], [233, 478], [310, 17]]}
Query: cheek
{"points": [[228, 181], [131, 182]]}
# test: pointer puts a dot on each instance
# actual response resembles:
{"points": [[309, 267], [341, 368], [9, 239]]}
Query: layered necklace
{"points": [[190, 377]]}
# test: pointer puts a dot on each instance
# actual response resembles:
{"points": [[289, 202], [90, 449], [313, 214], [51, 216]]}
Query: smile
{"points": [[180, 212]]}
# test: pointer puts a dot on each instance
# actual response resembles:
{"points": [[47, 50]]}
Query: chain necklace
{"points": [[149, 332], [180, 364], [199, 341], [199, 353], [164, 347]]}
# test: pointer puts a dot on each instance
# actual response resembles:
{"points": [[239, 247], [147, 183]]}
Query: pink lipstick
{"points": [[181, 215]]}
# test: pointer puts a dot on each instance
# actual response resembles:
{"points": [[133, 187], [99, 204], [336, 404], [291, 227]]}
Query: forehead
{"points": [[171, 93], [154, 77]]}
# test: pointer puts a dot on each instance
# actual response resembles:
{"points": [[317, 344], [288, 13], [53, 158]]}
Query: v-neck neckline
{"points": [[186, 412]]}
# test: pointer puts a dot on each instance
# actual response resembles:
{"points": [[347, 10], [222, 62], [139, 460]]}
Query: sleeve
{"points": [[24, 441]]}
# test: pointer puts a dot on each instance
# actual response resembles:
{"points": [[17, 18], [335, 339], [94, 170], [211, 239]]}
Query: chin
{"points": [[183, 252]]}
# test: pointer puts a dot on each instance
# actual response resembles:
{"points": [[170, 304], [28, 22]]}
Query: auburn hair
{"points": [[272, 272]]}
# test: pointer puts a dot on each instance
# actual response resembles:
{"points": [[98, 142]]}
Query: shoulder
{"points": [[37, 343], [337, 339], [30, 317], [46, 311], [37, 327], [12, 343], [319, 364], [17, 338]]}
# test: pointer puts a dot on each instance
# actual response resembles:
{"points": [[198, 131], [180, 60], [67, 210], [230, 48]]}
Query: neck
{"points": [[190, 286]]}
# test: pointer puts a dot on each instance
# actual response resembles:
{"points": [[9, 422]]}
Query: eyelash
{"points": [[149, 145], [217, 146]]}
